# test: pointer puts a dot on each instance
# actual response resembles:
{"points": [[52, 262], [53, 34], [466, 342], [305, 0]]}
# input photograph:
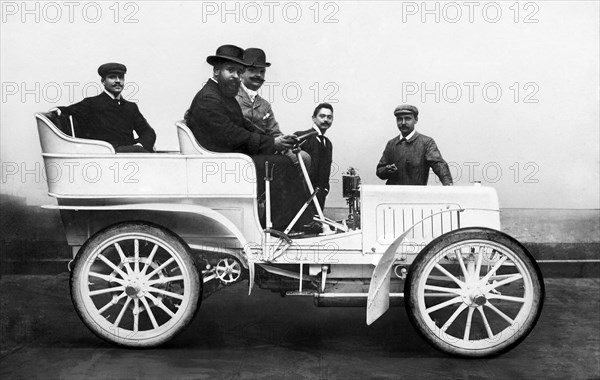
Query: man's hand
{"points": [[285, 142], [391, 168]]}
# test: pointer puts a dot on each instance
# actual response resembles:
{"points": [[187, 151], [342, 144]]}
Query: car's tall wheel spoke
{"points": [[136, 315], [166, 293], [500, 313], [113, 266], [494, 269], [107, 290], [165, 280], [136, 256], [149, 260], [150, 313], [454, 315], [107, 278], [506, 298], [112, 302], [122, 312], [161, 267], [442, 289], [479, 261], [123, 259], [443, 305], [450, 275], [468, 324], [159, 303], [462, 264], [485, 322], [508, 280]]}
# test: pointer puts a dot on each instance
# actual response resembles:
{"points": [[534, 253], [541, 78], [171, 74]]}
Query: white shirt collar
{"points": [[317, 129], [251, 93], [410, 135], [214, 80], [112, 96]]}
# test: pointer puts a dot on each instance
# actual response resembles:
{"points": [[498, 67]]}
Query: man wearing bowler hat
{"points": [[256, 109], [407, 157], [111, 118], [216, 120]]}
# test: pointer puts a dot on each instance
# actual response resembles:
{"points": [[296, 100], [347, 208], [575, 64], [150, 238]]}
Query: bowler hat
{"points": [[255, 57], [227, 53], [112, 67], [406, 108]]}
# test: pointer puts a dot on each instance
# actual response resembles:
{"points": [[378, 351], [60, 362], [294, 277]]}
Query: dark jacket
{"points": [[218, 124], [320, 163], [413, 158], [103, 118]]}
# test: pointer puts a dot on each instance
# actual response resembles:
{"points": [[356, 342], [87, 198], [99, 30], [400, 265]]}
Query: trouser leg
{"points": [[288, 190]]}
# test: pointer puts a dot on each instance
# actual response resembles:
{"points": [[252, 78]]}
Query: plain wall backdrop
{"points": [[509, 90]]}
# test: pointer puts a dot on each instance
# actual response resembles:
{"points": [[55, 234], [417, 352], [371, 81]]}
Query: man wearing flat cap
{"points": [[257, 110], [407, 157], [216, 120], [111, 118]]}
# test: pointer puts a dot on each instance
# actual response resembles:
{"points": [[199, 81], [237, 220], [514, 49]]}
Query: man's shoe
{"points": [[313, 228]]}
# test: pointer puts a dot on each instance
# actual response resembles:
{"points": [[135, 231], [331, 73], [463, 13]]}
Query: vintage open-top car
{"points": [[153, 234]]}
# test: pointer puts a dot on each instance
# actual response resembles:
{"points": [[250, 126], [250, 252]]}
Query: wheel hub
{"points": [[474, 297], [132, 291], [136, 287], [479, 300]]}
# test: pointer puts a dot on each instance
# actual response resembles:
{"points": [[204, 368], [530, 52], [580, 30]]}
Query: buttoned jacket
{"points": [[104, 118], [259, 113], [218, 124], [321, 155], [413, 158]]}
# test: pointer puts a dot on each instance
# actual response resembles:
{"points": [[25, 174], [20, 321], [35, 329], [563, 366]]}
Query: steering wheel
{"points": [[302, 138]]}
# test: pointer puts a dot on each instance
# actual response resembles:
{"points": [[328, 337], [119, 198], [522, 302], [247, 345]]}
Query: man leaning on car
{"points": [[407, 157]]}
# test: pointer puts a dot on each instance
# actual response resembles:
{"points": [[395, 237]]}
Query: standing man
{"points": [[320, 150], [257, 110], [217, 122], [407, 158], [111, 118]]}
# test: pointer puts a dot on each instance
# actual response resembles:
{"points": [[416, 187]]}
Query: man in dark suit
{"points": [[216, 120], [111, 118], [320, 150]]}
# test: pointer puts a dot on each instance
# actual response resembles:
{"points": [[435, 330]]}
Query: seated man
{"points": [[216, 120], [111, 118], [256, 109]]}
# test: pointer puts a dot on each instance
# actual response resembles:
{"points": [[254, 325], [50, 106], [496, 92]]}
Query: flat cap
{"points": [[406, 108], [112, 67]]}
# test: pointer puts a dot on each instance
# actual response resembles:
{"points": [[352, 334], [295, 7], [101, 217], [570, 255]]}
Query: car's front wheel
{"points": [[474, 292]]}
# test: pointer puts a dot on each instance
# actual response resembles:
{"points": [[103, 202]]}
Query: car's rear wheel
{"points": [[135, 284]]}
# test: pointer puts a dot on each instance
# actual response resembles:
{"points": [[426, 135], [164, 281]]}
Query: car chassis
{"points": [[153, 234]]}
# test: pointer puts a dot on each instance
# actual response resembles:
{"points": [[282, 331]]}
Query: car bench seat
{"points": [[187, 141]]}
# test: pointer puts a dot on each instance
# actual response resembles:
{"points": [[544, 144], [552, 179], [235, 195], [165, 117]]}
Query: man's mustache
{"points": [[257, 79]]}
